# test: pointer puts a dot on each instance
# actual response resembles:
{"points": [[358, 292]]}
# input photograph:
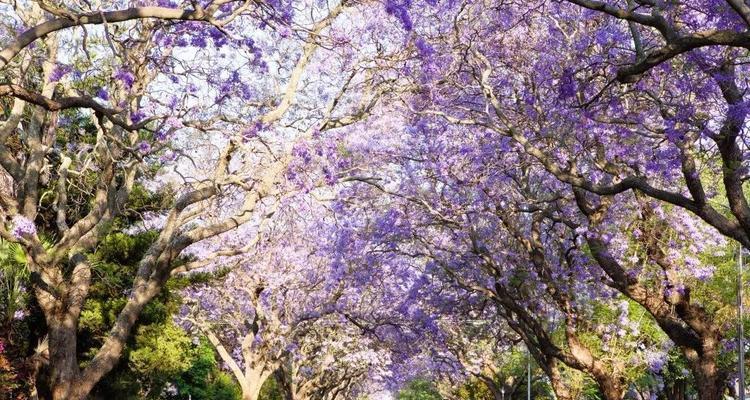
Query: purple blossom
{"points": [[59, 72], [22, 227], [252, 131], [126, 77], [137, 116], [161, 135], [400, 10], [199, 41], [218, 37], [656, 361], [103, 94], [567, 86], [168, 156], [144, 147], [425, 49]]}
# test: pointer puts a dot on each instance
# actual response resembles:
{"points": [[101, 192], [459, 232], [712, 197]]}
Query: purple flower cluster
{"points": [[252, 131], [656, 361], [126, 77], [59, 72], [400, 10], [23, 227], [103, 94], [144, 147]]}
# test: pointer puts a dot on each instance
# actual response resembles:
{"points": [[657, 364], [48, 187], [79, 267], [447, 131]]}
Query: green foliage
{"points": [[78, 128], [14, 277], [204, 380], [161, 355], [719, 294], [161, 350], [271, 390], [16, 323], [141, 201], [114, 265], [419, 389], [125, 249], [677, 373], [474, 389]]}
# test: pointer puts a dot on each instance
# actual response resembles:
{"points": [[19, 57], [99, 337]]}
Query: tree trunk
{"points": [[584, 360], [676, 391], [61, 300], [254, 380], [611, 390], [251, 393], [562, 392], [710, 389], [63, 359], [710, 381], [690, 327]]}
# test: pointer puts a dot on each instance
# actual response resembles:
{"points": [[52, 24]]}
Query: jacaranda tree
{"points": [[375, 193]]}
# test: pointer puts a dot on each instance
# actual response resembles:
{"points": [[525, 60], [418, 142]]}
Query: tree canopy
{"points": [[355, 199]]}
